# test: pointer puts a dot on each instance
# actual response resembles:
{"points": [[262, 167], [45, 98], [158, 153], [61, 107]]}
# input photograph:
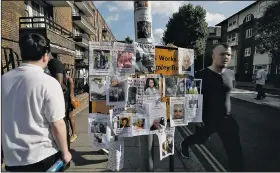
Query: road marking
{"points": [[210, 154], [203, 153]]}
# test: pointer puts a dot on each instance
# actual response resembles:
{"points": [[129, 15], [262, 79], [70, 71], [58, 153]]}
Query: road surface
{"points": [[260, 138]]}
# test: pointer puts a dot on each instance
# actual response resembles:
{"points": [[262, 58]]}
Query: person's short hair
{"points": [[225, 45], [33, 46], [55, 66]]}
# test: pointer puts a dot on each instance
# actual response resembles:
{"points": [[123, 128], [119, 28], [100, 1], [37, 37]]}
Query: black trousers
{"points": [[260, 90], [66, 119], [228, 130], [41, 166]]}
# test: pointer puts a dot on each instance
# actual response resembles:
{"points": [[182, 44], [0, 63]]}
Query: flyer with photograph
{"points": [[140, 4], [193, 107], [121, 122], [135, 92], [123, 61], [152, 88], [193, 86], [100, 57], [97, 88], [116, 90], [157, 116], [116, 155], [174, 86], [166, 142], [140, 124], [177, 111], [145, 58], [186, 61], [98, 131]]}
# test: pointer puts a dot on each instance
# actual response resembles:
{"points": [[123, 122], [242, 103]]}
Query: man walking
{"points": [[33, 129], [260, 83], [216, 87]]}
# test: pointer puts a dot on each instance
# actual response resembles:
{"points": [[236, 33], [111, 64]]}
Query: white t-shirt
{"points": [[31, 100], [261, 77]]}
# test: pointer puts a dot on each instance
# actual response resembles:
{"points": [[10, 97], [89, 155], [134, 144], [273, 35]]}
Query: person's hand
{"points": [[67, 157]]}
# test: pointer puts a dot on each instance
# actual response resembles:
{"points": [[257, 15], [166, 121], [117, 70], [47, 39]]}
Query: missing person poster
{"points": [[100, 57], [166, 61], [97, 87], [193, 86], [157, 116], [135, 92], [140, 124], [145, 58], [143, 22], [116, 87], [193, 107], [177, 111], [166, 142], [123, 61], [98, 131], [152, 88], [186, 61], [174, 86]]}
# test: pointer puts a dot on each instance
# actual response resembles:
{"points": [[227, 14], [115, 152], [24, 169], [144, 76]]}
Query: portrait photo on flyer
{"points": [[152, 88], [186, 61], [98, 131], [115, 90], [135, 91], [140, 124], [97, 88], [166, 142], [100, 58], [145, 58], [194, 107], [123, 61], [193, 86], [122, 124], [177, 111]]}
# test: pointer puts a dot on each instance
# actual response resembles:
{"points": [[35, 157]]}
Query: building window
{"points": [[249, 33], [247, 52], [248, 18], [232, 37], [232, 22], [215, 41]]}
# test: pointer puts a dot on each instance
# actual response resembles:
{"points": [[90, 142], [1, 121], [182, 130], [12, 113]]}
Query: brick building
{"points": [[69, 25], [239, 30]]}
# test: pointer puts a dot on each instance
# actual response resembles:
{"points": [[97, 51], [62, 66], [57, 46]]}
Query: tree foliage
{"points": [[187, 28], [128, 40], [268, 31]]}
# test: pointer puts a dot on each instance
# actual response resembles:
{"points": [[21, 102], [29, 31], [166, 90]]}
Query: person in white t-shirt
{"points": [[33, 129], [260, 83]]}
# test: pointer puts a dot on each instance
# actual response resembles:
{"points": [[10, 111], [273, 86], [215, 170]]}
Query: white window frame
{"points": [[248, 18], [232, 22], [247, 52], [249, 33]]}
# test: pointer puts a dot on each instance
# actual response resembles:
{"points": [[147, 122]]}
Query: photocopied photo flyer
{"points": [[177, 111], [116, 90], [166, 142]]}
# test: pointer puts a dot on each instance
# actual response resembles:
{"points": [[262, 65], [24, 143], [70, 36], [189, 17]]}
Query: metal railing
{"points": [[83, 17], [9, 59], [80, 35], [43, 22]]}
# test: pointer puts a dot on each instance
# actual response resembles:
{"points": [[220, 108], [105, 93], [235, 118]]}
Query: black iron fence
{"points": [[10, 60]]}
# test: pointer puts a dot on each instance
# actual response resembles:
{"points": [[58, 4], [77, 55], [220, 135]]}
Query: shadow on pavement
{"points": [[79, 160]]}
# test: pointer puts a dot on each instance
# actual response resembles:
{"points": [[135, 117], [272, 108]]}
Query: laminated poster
{"points": [[135, 91], [140, 124], [116, 90], [98, 131], [121, 122], [143, 22], [174, 86], [186, 61], [193, 86], [123, 61], [166, 142], [145, 58], [178, 115], [152, 88], [193, 107], [116, 155], [97, 87], [100, 58], [166, 61]]}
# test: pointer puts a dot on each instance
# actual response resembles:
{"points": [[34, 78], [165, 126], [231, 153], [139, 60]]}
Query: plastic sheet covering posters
{"points": [[97, 85], [98, 131], [166, 142], [123, 61], [143, 21], [145, 58], [166, 61], [121, 122], [186, 61], [116, 90], [116, 155], [177, 111], [100, 58], [174, 86], [157, 116]]}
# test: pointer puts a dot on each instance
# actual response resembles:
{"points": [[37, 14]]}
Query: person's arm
{"points": [[59, 78], [54, 111], [72, 86]]}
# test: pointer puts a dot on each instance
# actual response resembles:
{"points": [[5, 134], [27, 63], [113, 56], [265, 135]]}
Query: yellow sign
{"points": [[166, 61]]}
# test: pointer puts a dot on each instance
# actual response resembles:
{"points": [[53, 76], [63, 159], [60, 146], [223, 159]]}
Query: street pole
{"points": [[142, 13]]}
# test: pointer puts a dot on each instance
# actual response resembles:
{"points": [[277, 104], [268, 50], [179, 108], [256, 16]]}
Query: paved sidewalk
{"points": [[270, 100], [85, 160], [253, 85]]}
